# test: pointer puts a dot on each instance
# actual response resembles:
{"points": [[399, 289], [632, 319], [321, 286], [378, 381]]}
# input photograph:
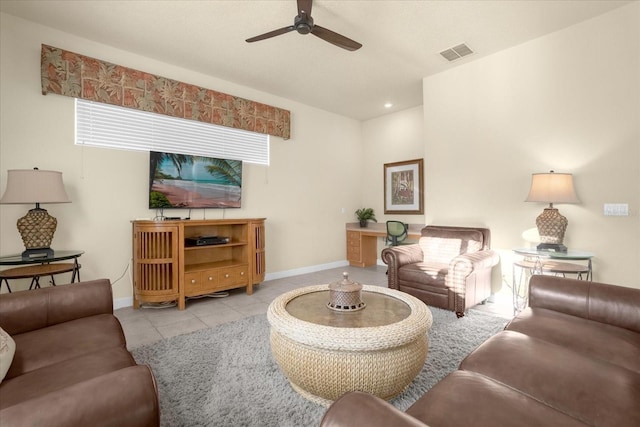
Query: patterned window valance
{"points": [[71, 74]]}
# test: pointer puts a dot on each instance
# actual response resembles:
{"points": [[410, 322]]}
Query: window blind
{"points": [[110, 126]]}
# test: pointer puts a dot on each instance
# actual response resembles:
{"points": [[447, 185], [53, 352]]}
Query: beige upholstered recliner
{"points": [[450, 267]]}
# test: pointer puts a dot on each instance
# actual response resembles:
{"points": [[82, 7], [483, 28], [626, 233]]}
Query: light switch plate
{"points": [[616, 209]]}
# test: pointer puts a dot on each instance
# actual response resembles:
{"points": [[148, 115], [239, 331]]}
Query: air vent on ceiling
{"points": [[456, 52]]}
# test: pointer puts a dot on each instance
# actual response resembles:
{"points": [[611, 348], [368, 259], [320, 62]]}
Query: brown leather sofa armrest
{"points": [[463, 265], [362, 409], [26, 311], [397, 256], [124, 398], [475, 261], [610, 304]]}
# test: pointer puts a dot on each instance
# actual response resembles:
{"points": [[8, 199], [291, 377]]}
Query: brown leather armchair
{"points": [[450, 267]]}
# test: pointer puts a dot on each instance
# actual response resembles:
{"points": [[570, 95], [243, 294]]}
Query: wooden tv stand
{"points": [[165, 269]]}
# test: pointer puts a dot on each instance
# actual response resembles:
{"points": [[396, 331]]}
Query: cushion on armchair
{"points": [[441, 245], [429, 273]]}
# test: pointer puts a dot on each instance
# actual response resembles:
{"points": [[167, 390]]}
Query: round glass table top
{"points": [[570, 254], [381, 310]]}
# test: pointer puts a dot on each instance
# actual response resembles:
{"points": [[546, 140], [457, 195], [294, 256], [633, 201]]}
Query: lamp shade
{"points": [[26, 186], [552, 188]]}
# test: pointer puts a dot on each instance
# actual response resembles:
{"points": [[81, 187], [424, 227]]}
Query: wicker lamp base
{"points": [[37, 228], [551, 227]]}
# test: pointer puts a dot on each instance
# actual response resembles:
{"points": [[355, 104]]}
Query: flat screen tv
{"points": [[191, 182]]}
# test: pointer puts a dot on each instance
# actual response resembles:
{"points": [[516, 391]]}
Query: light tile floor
{"points": [[147, 325]]}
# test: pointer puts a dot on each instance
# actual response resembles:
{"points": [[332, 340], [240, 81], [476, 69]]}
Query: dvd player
{"points": [[205, 240]]}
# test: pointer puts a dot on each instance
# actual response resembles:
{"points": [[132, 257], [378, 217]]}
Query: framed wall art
{"points": [[403, 192]]}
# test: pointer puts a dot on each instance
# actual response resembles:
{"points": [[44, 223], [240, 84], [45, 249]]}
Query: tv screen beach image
{"points": [[184, 181]]}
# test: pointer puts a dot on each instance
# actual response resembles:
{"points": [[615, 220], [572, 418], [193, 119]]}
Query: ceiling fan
{"points": [[303, 24]]}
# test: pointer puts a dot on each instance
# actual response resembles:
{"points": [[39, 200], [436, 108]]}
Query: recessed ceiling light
{"points": [[388, 105]]}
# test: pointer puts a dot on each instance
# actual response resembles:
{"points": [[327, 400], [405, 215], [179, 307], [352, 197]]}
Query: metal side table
{"points": [[37, 267], [533, 261]]}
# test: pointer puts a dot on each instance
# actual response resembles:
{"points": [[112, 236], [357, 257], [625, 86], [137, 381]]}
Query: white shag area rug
{"points": [[226, 375]]}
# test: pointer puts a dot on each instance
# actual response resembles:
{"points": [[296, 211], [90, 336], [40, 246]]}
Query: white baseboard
{"points": [[305, 270], [128, 301], [122, 302]]}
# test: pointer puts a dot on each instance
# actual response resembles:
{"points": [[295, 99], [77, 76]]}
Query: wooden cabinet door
{"points": [[155, 263], [258, 259]]}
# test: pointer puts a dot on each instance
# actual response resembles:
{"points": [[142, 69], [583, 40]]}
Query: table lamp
{"points": [[26, 186], [552, 188]]}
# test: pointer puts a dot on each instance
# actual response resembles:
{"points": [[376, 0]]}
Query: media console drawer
{"points": [[199, 282], [212, 280], [233, 277]]}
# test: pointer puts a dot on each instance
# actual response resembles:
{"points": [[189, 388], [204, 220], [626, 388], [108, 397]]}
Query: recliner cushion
{"points": [[466, 398], [441, 246], [53, 344], [561, 378], [599, 340], [63, 374], [427, 273]]}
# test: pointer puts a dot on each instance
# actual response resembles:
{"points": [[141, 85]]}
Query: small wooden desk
{"points": [[34, 268], [362, 242]]}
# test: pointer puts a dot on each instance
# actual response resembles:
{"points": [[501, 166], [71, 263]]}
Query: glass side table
{"points": [[532, 261], [37, 267]]}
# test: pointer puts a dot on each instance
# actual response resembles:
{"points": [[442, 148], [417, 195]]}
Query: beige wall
{"points": [[395, 137], [311, 178], [569, 102]]}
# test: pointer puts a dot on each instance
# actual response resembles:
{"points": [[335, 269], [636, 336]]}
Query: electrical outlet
{"points": [[616, 209]]}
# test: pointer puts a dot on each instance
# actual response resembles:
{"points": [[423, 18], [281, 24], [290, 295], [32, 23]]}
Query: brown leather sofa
{"points": [[571, 359], [71, 366], [450, 267]]}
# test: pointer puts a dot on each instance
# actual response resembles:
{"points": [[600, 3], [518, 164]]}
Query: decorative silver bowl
{"points": [[345, 295]]}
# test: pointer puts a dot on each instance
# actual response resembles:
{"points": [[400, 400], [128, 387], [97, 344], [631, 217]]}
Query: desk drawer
{"points": [[353, 254], [353, 238], [353, 246]]}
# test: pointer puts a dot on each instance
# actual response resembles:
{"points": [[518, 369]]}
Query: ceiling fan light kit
{"points": [[303, 24]]}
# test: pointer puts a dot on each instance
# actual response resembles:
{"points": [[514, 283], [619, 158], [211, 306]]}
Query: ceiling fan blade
{"points": [[270, 34], [304, 7], [335, 38]]}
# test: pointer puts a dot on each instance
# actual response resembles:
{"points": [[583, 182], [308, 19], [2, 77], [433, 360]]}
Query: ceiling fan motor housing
{"points": [[303, 24]]}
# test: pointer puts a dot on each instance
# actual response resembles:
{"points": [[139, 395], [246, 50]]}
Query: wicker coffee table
{"points": [[324, 354]]}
